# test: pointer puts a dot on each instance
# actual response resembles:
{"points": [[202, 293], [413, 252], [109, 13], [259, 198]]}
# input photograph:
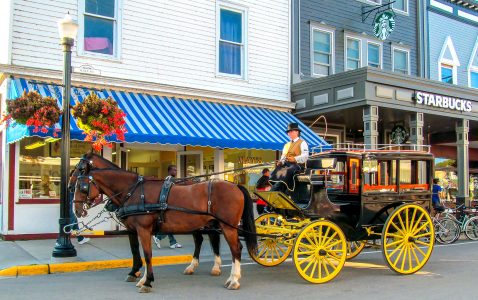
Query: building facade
{"points": [[363, 65], [205, 85]]}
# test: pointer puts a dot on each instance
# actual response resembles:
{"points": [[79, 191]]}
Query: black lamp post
{"points": [[67, 29]]}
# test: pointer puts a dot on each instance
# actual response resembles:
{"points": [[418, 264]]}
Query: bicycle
{"points": [[447, 231], [468, 223]]}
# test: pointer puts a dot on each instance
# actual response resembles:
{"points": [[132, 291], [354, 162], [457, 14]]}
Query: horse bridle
{"points": [[84, 185]]}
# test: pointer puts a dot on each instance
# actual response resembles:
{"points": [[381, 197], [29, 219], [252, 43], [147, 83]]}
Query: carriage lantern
{"points": [[67, 29]]}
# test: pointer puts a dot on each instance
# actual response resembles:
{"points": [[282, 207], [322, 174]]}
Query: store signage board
{"points": [[88, 69], [442, 101], [384, 24]]}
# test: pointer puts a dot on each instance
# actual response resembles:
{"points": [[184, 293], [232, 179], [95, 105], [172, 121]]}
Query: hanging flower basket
{"points": [[100, 119], [32, 109]]}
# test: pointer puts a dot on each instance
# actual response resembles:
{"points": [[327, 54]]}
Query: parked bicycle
{"points": [[448, 228]]}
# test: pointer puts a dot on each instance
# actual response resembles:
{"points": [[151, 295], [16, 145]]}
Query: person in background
{"points": [[263, 184], [172, 172], [436, 201]]}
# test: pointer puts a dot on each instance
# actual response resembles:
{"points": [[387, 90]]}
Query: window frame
{"points": [[328, 30], [450, 67], [403, 12], [380, 56], [402, 49], [243, 10], [360, 62], [454, 62], [473, 68], [80, 41]]}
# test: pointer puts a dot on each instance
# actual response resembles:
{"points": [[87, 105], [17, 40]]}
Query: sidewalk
{"points": [[33, 257]]}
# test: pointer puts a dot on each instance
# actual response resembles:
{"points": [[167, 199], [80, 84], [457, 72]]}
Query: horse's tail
{"points": [[248, 224]]}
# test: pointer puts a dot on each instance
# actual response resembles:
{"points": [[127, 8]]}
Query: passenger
{"points": [[436, 201], [294, 155], [263, 184]]}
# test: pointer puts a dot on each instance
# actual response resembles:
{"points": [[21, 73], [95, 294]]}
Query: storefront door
{"points": [[190, 163]]}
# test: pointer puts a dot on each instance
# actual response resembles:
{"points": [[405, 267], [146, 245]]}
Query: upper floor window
{"points": [[322, 52], [99, 32], [401, 60], [446, 74], [231, 42], [401, 6], [448, 63], [374, 55], [353, 54], [474, 79]]}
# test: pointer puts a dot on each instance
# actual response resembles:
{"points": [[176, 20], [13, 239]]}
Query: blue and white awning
{"points": [[177, 121]]}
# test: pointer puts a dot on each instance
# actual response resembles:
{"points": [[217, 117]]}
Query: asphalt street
{"points": [[451, 273]]}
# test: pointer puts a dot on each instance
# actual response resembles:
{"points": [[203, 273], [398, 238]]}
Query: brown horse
{"points": [[222, 201], [97, 162]]}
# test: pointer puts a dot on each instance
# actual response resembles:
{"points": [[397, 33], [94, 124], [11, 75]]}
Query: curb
{"points": [[72, 267]]}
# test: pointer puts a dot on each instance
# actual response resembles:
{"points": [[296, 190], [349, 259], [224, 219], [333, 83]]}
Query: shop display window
{"points": [[240, 158], [39, 166]]}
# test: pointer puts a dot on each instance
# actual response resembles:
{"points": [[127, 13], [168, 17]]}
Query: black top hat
{"points": [[293, 126]]}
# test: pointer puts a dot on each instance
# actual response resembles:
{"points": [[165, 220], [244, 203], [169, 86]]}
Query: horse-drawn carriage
{"points": [[345, 198]]}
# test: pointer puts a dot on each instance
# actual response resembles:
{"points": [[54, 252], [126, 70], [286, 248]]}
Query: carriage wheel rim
{"points": [[408, 238], [320, 251], [270, 252]]}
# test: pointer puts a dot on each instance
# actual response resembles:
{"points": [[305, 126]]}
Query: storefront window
{"points": [[39, 161], [150, 162], [240, 158]]}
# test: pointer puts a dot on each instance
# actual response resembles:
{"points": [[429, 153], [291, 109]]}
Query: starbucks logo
{"points": [[399, 135], [384, 24]]}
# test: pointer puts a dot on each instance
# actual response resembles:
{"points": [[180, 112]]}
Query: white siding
{"points": [[5, 37], [169, 42]]}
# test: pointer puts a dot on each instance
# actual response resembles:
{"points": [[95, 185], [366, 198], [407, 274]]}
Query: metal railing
{"points": [[372, 147]]}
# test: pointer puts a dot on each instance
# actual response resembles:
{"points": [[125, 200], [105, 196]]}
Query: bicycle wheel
{"points": [[471, 228], [449, 231]]}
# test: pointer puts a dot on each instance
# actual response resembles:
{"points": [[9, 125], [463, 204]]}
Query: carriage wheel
{"points": [[407, 239], [354, 248], [320, 251], [270, 251]]}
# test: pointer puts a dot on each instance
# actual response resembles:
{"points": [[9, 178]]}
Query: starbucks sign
{"points": [[384, 24]]}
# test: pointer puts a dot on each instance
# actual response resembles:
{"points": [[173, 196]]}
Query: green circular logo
{"points": [[384, 24]]}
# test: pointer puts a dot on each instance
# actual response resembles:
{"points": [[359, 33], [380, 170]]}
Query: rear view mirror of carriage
{"points": [[322, 163]]}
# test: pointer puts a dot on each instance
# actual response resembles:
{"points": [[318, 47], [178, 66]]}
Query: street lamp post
{"points": [[67, 29]]}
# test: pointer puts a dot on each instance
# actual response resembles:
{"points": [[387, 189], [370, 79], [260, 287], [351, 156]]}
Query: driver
{"points": [[294, 155]]}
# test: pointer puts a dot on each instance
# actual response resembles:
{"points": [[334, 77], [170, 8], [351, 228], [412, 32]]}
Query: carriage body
{"points": [[381, 194]]}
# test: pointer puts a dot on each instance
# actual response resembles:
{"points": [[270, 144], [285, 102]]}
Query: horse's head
{"points": [[86, 192]]}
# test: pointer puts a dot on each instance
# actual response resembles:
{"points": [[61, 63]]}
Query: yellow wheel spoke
{"points": [[393, 244], [404, 258], [421, 228], [420, 250], [326, 261], [325, 239], [398, 229], [306, 259], [326, 268], [329, 239], [319, 232], [399, 248], [309, 240], [422, 235], [417, 223], [277, 252], [412, 250], [313, 268], [311, 247], [333, 244], [262, 252], [410, 266], [309, 264], [407, 221], [392, 235], [422, 243], [401, 222]]}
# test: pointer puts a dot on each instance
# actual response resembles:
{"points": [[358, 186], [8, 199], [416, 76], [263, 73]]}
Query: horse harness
{"points": [[161, 206]]}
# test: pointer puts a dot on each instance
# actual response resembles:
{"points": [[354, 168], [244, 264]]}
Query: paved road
{"points": [[451, 273]]}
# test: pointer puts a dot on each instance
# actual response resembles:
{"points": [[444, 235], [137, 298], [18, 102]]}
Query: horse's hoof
{"points": [[188, 271], [145, 289], [216, 272], [131, 278], [233, 285]]}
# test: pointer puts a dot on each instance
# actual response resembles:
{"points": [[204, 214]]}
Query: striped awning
{"points": [[177, 121]]}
